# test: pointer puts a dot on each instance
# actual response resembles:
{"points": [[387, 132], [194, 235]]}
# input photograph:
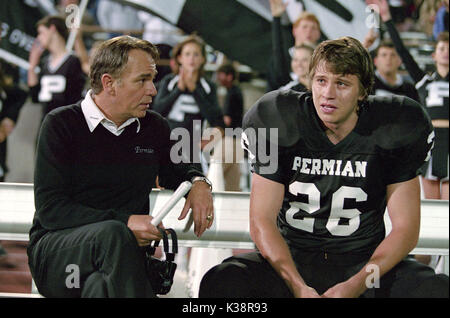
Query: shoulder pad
{"points": [[277, 109], [397, 121]]}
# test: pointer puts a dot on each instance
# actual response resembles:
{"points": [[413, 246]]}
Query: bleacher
{"points": [[229, 231]]}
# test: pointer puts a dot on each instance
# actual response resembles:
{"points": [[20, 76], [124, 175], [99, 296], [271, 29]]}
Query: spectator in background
{"points": [[187, 98], [233, 109], [387, 78], [441, 20], [306, 30], [11, 100], [434, 93], [61, 80], [165, 36], [300, 68], [402, 13], [427, 16], [234, 102]]}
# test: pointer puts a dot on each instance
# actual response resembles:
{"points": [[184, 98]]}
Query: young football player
{"points": [[316, 216]]}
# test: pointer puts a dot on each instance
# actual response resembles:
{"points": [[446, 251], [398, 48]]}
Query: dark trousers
{"points": [[251, 276], [96, 260]]}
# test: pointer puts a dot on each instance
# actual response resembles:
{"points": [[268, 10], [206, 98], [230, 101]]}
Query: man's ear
{"points": [[52, 27], [108, 84], [433, 56], [375, 61]]}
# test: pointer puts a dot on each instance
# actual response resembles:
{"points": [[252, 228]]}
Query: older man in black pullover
{"points": [[96, 164]]}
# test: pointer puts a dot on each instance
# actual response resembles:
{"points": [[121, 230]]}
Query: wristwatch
{"points": [[204, 179]]}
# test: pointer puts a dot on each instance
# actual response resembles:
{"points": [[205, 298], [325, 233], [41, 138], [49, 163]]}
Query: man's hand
{"points": [[201, 202], [35, 54], [33, 59], [370, 38], [305, 292], [143, 230], [277, 7], [343, 290]]}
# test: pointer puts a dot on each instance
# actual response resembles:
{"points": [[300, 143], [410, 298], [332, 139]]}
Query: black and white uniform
{"points": [[335, 195], [402, 87], [60, 85], [188, 110], [433, 91]]}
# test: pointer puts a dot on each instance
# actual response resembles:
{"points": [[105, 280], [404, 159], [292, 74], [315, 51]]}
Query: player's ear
{"points": [[362, 92], [362, 96], [108, 84]]}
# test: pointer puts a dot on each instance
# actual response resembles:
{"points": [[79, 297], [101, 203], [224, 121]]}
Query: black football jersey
{"points": [[335, 195], [433, 91], [402, 87], [60, 86], [188, 110]]}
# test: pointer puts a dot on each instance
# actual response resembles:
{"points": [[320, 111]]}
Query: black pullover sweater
{"points": [[82, 177]]}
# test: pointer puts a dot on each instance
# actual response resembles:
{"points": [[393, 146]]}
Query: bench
{"points": [[230, 229]]}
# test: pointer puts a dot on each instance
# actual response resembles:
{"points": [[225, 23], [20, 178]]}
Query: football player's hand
{"points": [[201, 202], [305, 292], [342, 290]]}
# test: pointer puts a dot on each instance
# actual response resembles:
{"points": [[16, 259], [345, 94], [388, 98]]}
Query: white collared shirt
{"points": [[94, 116]]}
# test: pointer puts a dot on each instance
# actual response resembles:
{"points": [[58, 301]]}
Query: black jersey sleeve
{"points": [[405, 136], [411, 65], [270, 128], [279, 63]]}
